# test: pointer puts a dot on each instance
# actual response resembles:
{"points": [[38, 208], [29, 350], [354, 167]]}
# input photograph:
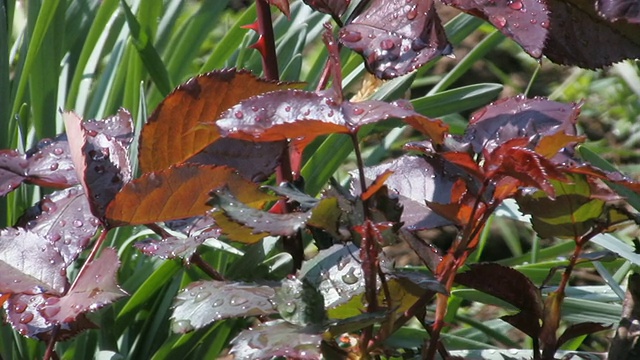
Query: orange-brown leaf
{"points": [[177, 192], [174, 133]]}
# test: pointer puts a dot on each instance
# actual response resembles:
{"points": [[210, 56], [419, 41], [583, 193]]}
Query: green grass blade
{"points": [[143, 42], [456, 100], [478, 52]]}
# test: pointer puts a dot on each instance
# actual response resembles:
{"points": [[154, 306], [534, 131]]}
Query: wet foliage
{"points": [[210, 147]]}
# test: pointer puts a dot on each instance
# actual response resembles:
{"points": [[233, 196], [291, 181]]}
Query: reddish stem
{"points": [[266, 43], [92, 255], [206, 267]]}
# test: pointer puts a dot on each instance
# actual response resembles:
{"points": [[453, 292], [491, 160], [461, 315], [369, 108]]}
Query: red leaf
{"points": [[94, 288], [525, 21], [396, 37]]}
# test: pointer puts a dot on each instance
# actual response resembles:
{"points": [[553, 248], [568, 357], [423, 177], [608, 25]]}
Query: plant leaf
{"points": [[295, 114], [23, 312], [99, 153], [30, 264], [614, 10], [580, 36], [253, 160], [94, 288], [282, 5], [173, 133], [416, 180], [278, 339], [519, 117], [169, 194], [203, 302], [63, 218], [336, 273], [174, 246], [299, 302], [335, 8], [47, 164], [261, 221], [584, 328], [396, 37], [525, 21], [512, 287]]}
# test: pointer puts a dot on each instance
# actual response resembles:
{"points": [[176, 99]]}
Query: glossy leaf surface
{"points": [[203, 302], [173, 132], [396, 37]]}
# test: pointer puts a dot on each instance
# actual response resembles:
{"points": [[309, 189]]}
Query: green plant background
{"points": [[96, 56]]}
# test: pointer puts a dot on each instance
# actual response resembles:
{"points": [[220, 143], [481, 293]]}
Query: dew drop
{"points": [[238, 114], [387, 44], [287, 108], [19, 307], [499, 21], [351, 36], [544, 24], [58, 151], [182, 326], [77, 223], [358, 111], [51, 311], [201, 296], [412, 13], [350, 278], [25, 319], [237, 300], [218, 302], [54, 166], [516, 5], [289, 307]]}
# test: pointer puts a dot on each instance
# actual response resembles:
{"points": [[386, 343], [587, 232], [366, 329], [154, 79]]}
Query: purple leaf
{"points": [[47, 164], [94, 288], [65, 220], [254, 161], [396, 37], [334, 8], [518, 117], [578, 35], [278, 338], [614, 10], [99, 152], [525, 21], [203, 302], [29, 264], [416, 180], [24, 312]]}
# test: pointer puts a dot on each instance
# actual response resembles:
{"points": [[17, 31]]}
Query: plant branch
{"points": [[50, 353], [266, 43], [92, 255], [206, 267]]}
